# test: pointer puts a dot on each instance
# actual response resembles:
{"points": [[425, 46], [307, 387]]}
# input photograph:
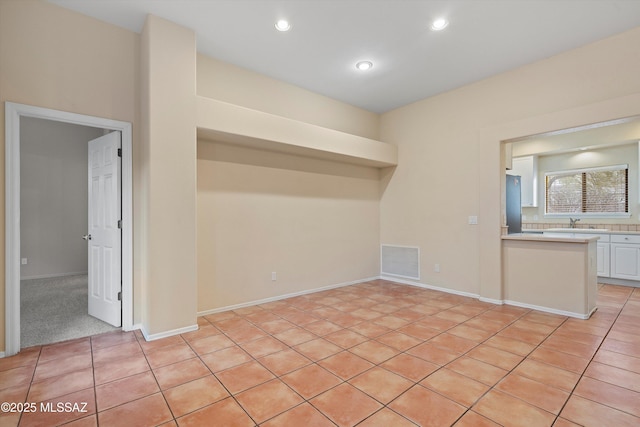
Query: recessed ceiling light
{"points": [[439, 24], [283, 25], [364, 65]]}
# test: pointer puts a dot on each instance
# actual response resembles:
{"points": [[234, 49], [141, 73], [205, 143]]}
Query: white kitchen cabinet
{"points": [[527, 168], [603, 256], [625, 256]]}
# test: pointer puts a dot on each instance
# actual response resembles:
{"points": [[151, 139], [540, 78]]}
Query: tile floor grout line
{"points": [[477, 345], [618, 308], [35, 367], [155, 378], [591, 360], [304, 400], [315, 362], [415, 383], [129, 401], [581, 374], [276, 376], [522, 361], [512, 369], [95, 389], [467, 409], [231, 395]]}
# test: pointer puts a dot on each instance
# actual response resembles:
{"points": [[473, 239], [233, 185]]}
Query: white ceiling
{"points": [[411, 62]]}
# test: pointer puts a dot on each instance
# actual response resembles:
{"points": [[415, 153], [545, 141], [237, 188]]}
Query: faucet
{"points": [[572, 222]]}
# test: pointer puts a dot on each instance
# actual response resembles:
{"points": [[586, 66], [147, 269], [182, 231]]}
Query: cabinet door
{"points": [[625, 261], [527, 168], [603, 254]]}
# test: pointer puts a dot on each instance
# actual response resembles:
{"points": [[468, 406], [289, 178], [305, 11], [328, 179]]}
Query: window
{"points": [[599, 191]]}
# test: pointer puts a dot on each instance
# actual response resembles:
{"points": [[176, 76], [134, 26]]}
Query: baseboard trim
{"points": [[426, 286], [1, 354], [621, 282], [165, 334], [492, 301], [551, 310], [285, 296], [396, 280], [137, 326], [52, 276]]}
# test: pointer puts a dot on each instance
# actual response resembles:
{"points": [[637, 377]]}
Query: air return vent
{"points": [[401, 261]]}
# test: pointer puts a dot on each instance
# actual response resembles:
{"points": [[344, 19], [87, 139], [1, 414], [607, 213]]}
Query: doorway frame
{"points": [[13, 113]]}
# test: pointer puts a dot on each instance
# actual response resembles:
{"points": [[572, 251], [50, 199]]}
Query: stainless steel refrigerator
{"points": [[514, 204]]}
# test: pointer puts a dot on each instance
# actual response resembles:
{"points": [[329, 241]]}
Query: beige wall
{"points": [[235, 85], [313, 222], [43, 62], [449, 147], [169, 176], [54, 58], [449, 153], [53, 197]]}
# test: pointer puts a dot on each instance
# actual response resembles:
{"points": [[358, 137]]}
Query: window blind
{"points": [[595, 190]]}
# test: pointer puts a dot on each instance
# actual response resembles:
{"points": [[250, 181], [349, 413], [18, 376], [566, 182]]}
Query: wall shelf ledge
{"points": [[228, 123]]}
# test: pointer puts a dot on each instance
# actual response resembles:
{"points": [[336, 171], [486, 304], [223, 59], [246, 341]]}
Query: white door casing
{"points": [[104, 235], [13, 114]]}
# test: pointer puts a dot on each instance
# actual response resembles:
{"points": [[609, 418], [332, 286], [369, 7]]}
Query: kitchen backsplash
{"points": [[612, 227]]}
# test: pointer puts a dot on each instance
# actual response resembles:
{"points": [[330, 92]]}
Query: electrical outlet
{"points": [[473, 220], [23, 261], [436, 268], [274, 276]]}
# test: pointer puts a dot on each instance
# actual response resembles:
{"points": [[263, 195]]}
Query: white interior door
{"points": [[104, 235]]}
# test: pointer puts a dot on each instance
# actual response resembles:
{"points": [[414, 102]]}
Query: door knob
{"points": [[87, 237]]}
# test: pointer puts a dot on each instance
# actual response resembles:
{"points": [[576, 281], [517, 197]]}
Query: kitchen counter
{"points": [[552, 274], [618, 252], [576, 230], [539, 237]]}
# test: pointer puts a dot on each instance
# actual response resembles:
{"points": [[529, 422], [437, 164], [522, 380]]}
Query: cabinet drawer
{"points": [[625, 238]]}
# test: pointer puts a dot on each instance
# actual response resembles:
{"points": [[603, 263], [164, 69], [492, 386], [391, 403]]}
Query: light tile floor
{"points": [[372, 354]]}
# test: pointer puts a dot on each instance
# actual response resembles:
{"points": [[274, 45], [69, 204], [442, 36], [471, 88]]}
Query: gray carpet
{"points": [[55, 309]]}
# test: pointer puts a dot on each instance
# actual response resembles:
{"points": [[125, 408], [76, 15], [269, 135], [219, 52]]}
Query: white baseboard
{"points": [[285, 296], [621, 282], [137, 326], [402, 281], [434, 288], [51, 276], [551, 310], [492, 301], [165, 334], [1, 354]]}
